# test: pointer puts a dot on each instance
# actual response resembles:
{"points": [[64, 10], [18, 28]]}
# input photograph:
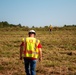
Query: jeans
{"points": [[30, 66]]}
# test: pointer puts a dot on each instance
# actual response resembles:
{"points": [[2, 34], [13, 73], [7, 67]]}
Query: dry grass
{"points": [[59, 53]]}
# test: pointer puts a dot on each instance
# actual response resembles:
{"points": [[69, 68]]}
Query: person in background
{"points": [[50, 28], [30, 51]]}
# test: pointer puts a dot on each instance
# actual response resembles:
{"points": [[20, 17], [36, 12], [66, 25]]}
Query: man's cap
{"points": [[32, 32]]}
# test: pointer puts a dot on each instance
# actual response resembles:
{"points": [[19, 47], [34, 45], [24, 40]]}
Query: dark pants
{"points": [[50, 30], [30, 66]]}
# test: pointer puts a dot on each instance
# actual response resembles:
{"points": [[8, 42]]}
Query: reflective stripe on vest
{"points": [[31, 49]]}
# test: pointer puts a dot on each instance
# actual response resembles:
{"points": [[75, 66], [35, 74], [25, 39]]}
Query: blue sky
{"points": [[38, 12]]}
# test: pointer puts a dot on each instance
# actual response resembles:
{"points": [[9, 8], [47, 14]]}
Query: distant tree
{"points": [[1, 25], [19, 25], [65, 25], [25, 28], [46, 27], [5, 24], [33, 27], [12, 25]]}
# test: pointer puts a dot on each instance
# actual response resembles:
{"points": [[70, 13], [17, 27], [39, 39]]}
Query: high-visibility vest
{"points": [[30, 48], [50, 27]]}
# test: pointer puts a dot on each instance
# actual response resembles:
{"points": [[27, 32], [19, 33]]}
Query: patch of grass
{"points": [[58, 47], [1, 68]]}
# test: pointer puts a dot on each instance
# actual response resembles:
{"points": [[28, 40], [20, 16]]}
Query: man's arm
{"points": [[21, 51], [40, 51], [40, 54]]}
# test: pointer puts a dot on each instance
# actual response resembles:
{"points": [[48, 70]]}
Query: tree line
{"points": [[6, 26]]}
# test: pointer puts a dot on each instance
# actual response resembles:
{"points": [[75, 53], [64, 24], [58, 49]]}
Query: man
{"points": [[30, 49], [50, 28]]}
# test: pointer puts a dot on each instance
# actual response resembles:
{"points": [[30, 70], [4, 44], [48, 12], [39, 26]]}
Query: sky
{"points": [[38, 13]]}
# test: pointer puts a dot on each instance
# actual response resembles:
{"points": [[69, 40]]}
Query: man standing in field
{"points": [[30, 50], [50, 28]]}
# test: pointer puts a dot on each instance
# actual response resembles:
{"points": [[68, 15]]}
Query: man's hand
{"points": [[40, 54], [40, 59], [20, 58]]}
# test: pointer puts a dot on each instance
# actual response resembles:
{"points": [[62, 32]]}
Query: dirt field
{"points": [[58, 47]]}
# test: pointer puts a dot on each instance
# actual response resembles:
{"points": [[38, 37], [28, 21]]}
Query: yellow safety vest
{"points": [[50, 27], [30, 48]]}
